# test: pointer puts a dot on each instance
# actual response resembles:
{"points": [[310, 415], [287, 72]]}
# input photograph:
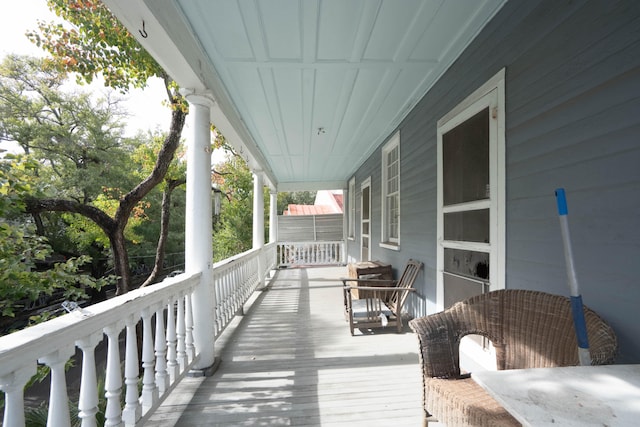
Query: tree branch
{"points": [[104, 221], [165, 156]]}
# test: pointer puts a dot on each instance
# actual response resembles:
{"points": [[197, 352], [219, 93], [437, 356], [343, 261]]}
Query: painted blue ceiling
{"points": [[316, 85]]}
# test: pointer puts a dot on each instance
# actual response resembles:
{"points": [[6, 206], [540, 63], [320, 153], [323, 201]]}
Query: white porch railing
{"points": [[236, 278], [165, 306], [311, 253]]}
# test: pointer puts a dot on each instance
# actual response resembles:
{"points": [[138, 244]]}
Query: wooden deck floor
{"points": [[291, 361]]}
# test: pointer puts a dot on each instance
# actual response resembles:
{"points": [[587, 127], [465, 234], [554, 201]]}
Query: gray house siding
{"points": [[572, 121]]}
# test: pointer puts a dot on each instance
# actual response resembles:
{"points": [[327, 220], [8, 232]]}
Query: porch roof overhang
{"points": [[307, 90]]}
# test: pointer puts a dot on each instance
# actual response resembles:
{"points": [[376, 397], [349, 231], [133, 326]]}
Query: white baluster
{"points": [[113, 377], [88, 400], [172, 362], [180, 334], [190, 348], [13, 387], [162, 378], [58, 415], [149, 390], [217, 279], [132, 411]]}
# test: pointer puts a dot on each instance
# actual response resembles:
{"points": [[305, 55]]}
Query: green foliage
{"points": [[95, 44], [22, 251], [233, 230], [77, 138], [37, 416], [75, 152]]}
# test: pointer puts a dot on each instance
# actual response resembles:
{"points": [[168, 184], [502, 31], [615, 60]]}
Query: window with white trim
{"points": [[352, 209], [391, 193]]}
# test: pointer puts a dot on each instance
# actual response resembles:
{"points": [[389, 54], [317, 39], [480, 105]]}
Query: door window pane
{"points": [[470, 226], [465, 151], [472, 264]]}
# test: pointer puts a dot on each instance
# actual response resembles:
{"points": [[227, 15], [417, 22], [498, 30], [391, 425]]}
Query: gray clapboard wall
{"points": [[572, 121], [310, 228]]}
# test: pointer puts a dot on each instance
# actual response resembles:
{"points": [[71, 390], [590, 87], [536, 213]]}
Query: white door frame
{"points": [[490, 95], [365, 223]]}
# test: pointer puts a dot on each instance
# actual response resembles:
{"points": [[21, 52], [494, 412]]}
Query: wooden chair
{"points": [[379, 302], [529, 329]]}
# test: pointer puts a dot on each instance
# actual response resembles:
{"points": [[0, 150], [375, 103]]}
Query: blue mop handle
{"points": [[576, 298]]}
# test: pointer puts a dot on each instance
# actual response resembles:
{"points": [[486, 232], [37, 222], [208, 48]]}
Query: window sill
{"points": [[392, 246]]}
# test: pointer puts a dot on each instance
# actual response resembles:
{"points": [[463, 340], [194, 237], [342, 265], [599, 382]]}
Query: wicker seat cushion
{"points": [[462, 402]]}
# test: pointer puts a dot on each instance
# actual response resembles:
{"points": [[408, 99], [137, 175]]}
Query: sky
{"points": [[144, 106]]}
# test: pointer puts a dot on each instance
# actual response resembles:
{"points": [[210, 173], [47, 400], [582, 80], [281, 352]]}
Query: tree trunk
{"points": [[164, 230], [120, 260]]}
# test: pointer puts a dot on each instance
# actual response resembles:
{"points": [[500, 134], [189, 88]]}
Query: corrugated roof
{"points": [[310, 210], [327, 202]]}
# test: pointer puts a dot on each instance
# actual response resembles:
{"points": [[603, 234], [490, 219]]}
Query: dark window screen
{"points": [[465, 152]]}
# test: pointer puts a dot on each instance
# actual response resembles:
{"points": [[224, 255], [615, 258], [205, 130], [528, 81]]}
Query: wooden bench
{"points": [[380, 302], [529, 329]]}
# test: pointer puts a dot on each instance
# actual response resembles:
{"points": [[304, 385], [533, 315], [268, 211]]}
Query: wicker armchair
{"points": [[529, 329]]}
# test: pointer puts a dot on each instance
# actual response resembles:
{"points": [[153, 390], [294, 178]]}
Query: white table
{"points": [[573, 396]]}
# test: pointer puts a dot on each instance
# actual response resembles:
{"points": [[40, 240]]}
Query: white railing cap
{"points": [[27, 345]]}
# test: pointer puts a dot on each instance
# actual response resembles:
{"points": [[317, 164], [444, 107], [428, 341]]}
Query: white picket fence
{"points": [[162, 310], [311, 253]]}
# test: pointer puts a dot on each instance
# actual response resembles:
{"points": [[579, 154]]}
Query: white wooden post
{"points": [[132, 411], [273, 216], [13, 387], [181, 348], [258, 222], [172, 355], [58, 415], [113, 377], [88, 400], [198, 227], [149, 390], [162, 377], [188, 329]]}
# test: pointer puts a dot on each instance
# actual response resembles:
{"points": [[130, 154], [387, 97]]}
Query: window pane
{"points": [[468, 226], [365, 203], [467, 263], [465, 151], [393, 215]]}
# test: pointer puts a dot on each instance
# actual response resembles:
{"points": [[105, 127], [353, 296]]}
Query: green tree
{"points": [[21, 249], [174, 179], [232, 233], [83, 160], [98, 45]]}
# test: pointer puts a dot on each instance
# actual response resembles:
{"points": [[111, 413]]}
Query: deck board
{"points": [[291, 361]]}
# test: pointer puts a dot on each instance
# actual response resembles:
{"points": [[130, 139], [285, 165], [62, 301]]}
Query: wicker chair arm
{"points": [[439, 345]]}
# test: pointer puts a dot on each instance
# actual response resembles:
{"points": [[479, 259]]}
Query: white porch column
{"points": [[258, 222], [258, 210], [198, 228], [273, 216]]}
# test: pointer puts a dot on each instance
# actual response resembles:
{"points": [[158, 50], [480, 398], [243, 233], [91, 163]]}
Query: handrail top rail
{"points": [[65, 330], [307, 242], [237, 258]]}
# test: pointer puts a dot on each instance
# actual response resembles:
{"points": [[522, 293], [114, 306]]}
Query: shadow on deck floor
{"points": [[291, 361]]}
